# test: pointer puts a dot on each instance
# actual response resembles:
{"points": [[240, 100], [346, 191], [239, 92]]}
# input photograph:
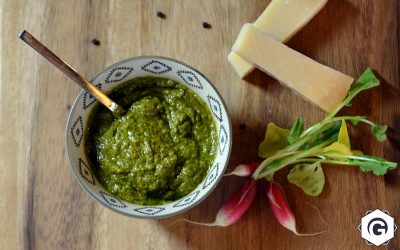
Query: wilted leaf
{"points": [[309, 177], [275, 140], [357, 152], [338, 148], [344, 135]]}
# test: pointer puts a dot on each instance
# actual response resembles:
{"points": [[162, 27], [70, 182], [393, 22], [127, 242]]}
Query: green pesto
{"points": [[160, 150]]}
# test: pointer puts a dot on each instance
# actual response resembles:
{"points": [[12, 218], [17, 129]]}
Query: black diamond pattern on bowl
{"points": [[118, 74], [156, 67], [211, 177], [111, 200], [88, 99], [190, 78], [223, 139], [86, 173], [215, 107], [77, 131], [149, 210], [187, 200]]}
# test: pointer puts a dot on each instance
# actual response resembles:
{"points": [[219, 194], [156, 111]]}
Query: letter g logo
{"points": [[378, 225]]}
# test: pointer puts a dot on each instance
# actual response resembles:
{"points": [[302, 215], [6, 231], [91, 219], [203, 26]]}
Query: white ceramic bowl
{"points": [[121, 72]]}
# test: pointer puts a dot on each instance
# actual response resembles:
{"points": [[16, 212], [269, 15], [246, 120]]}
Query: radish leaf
{"points": [[339, 149], [324, 142], [378, 166], [379, 132], [297, 129], [343, 137], [331, 133], [357, 152], [366, 81], [309, 177], [275, 140]]}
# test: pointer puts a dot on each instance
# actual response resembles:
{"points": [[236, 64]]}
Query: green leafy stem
{"points": [[325, 142]]}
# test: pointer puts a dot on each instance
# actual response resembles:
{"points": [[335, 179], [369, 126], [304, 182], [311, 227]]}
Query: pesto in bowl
{"points": [[160, 150]]}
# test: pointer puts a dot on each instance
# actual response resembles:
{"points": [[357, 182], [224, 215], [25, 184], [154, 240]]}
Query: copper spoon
{"points": [[71, 73]]}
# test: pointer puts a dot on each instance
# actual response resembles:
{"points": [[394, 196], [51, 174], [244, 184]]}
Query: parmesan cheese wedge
{"points": [[241, 66], [281, 20], [319, 84]]}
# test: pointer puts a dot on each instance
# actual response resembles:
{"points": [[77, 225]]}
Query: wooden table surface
{"points": [[43, 207]]}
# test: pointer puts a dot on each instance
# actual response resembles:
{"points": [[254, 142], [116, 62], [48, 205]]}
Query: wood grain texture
{"points": [[43, 207]]}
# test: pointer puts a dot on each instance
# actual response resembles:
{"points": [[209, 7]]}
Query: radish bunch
{"points": [[236, 206], [307, 149]]}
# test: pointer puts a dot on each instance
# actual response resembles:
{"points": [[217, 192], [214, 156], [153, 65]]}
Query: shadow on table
{"points": [[335, 17]]}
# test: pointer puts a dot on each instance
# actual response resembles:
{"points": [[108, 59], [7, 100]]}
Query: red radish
{"points": [[245, 169], [235, 207], [281, 209]]}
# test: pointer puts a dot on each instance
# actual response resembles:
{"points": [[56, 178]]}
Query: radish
{"points": [[235, 207], [245, 169], [281, 209]]}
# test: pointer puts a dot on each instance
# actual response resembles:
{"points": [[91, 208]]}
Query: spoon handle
{"points": [[70, 72]]}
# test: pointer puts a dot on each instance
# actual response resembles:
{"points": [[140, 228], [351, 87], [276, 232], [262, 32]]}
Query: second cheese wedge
{"points": [[281, 20], [323, 86]]}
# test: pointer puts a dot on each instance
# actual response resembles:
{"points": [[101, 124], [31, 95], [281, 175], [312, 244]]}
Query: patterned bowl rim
{"points": [[205, 195]]}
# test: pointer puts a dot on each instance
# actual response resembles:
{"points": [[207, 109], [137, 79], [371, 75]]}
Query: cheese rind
{"points": [[281, 20], [323, 86]]}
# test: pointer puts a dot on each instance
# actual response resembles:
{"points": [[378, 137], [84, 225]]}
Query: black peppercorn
{"points": [[161, 15], [95, 42], [206, 25]]}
